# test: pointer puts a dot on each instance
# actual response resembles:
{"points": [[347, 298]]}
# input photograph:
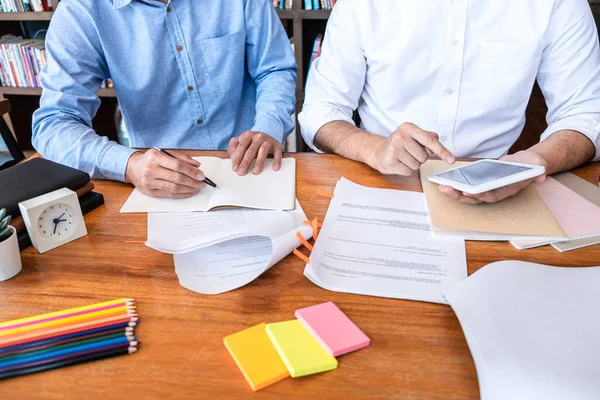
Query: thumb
{"points": [[540, 179]]}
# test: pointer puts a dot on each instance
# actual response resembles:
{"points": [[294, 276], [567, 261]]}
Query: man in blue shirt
{"points": [[207, 74]]}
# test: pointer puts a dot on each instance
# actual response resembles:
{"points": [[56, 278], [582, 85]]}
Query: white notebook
{"points": [[533, 330], [271, 190]]}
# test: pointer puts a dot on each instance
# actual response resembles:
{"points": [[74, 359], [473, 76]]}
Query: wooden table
{"points": [[417, 349]]}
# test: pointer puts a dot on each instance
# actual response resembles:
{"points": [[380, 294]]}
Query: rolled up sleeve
{"points": [[569, 73], [336, 79]]}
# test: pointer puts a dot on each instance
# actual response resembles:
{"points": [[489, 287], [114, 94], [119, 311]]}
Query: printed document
{"points": [[378, 242], [225, 249]]}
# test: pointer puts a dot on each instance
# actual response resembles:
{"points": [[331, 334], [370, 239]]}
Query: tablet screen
{"points": [[480, 173]]}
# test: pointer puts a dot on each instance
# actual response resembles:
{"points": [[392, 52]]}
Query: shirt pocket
{"points": [[506, 73], [224, 58]]}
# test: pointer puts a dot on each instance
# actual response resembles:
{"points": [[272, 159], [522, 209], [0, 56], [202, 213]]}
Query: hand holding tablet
{"points": [[485, 175], [489, 181]]}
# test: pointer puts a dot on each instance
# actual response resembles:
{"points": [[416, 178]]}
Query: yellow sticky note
{"points": [[299, 350], [256, 357]]}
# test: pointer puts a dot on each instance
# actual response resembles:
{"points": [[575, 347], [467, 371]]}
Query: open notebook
{"points": [[271, 190]]}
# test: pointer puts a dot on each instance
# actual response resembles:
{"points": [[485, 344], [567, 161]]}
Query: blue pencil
{"points": [[50, 354], [10, 349]]}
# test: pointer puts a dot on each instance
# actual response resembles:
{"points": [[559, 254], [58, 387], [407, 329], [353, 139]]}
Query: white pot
{"points": [[10, 258]]}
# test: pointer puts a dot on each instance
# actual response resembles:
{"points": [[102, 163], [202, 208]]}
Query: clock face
{"points": [[56, 222]]}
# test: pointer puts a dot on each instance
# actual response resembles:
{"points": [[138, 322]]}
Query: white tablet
{"points": [[484, 175]]}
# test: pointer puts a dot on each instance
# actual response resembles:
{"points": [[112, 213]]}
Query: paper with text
{"points": [[532, 330], [233, 263], [270, 190], [378, 242], [178, 233]]}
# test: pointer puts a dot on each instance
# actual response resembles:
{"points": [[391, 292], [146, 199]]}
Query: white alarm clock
{"points": [[53, 219]]}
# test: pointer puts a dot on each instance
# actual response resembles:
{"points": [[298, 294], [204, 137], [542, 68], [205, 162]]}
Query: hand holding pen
{"points": [[157, 174], [205, 180]]}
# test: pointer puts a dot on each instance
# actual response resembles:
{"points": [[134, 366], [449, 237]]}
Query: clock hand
{"points": [[62, 220], [55, 225], [61, 215]]}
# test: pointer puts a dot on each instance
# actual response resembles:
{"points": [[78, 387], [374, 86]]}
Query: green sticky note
{"points": [[299, 350]]}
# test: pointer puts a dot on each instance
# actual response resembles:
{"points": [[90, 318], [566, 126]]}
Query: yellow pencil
{"points": [[123, 311], [63, 312]]}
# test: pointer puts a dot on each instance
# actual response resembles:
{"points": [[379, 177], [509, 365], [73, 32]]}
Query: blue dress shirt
{"points": [[188, 74]]}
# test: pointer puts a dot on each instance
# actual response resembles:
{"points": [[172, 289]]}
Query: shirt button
{"points": [[190, 88], [455, 43], [199, 122], [443, 138], [449, 92], [168, 9], [179, 48]]}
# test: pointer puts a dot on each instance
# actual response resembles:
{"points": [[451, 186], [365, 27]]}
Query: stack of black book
{"points": [[37, 177]]}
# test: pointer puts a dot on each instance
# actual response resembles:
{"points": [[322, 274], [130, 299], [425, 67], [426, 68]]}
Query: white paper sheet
{"points": [[232, 263], [378, 242], [178, 233], [533, 330], [271, 190]]}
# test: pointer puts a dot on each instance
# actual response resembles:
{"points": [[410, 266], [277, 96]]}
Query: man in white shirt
{"points": [[453, 78]]}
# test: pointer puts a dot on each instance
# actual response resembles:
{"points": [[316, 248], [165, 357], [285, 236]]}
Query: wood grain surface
{"points": [[417, 351]]}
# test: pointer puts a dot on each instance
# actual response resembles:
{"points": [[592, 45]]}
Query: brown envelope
{"points": [[523, 214]]}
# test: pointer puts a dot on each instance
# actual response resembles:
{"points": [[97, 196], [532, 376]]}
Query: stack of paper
{"points": [[225, 249], [378, 242], [577, 214], [267, 353], [564, 210], [521, 217], [532, 330]]}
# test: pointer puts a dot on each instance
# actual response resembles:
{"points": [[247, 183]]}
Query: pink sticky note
{"points": [[332, 328]]}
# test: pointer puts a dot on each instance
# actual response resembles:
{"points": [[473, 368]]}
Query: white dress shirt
{"points": [[464, 69]]}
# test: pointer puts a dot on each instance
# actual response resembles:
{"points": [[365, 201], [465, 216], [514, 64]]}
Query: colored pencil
{"points": [[63, 312], [41, 319], [66, 357], [114, 312], [66, 363], [74, 342], [64, 352], [48, 333], [73, 336]]}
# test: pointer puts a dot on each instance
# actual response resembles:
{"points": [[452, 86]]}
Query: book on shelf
{"points": [[22, 60], [283, 4], [319, 4], [27, 5], [316, 51]]}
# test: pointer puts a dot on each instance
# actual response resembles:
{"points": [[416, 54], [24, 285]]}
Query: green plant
{"points": [[5, 230]]}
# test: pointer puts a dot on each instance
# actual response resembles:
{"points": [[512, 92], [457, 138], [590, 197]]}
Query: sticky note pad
{"points": [[298, 349], [332, 328], [256, 357]]}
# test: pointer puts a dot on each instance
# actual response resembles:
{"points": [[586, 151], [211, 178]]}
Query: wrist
{"points": [[131, 166], [369, 148]]}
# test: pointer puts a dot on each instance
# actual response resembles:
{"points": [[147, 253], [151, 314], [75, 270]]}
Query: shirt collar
{"points": [[120, 3]]}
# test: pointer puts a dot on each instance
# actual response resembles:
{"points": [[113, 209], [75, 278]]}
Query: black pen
{"points": [[206, 180]]}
